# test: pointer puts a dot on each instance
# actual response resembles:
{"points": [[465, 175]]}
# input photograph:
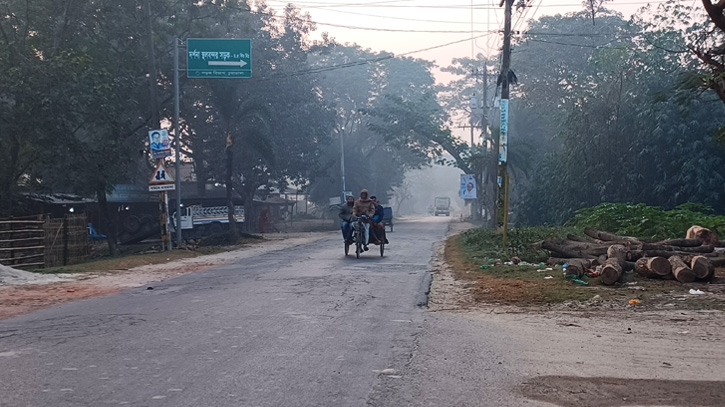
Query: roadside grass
{"points": [[508, 284], [526, 284], [123, 262], [140, 255]]}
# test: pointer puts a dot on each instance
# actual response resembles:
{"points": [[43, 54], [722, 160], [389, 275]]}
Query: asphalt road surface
{"points": [[308, 327], [304, 326]]}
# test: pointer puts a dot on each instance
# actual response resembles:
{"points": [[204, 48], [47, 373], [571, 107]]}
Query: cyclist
{"points": [[364, 207]]}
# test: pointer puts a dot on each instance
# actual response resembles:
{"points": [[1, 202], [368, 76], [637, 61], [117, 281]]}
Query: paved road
{"points": [[307, 327], [300, 327]]}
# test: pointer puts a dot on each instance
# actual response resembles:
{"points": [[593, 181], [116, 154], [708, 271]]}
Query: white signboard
{"points": [[503, 139], [162, 187], [468, 187]]}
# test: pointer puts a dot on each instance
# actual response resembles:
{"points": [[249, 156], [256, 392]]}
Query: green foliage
{"points": [[626, 132], [486, 243], [648, 222], [376, 160]]}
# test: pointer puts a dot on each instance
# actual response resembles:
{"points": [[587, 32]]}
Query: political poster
{"points": [[468, 187], [160, 145]]}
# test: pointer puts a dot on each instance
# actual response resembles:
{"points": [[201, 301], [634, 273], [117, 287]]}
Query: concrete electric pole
{"points": [[503, 179]]}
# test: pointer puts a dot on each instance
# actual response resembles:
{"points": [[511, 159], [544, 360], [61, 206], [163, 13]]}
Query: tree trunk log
{"points": [[599, 261], [611, 272], [681, 242], [637, 254], [718, 262], [607, 237], [653, 267], [702, 267], [618, 252], [680, 270], [577, 267], [670, 248], [570, 251]]}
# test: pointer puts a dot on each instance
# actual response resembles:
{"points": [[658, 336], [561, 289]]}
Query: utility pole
{"points": [[477, 204], [177, 135], [484, 125], [502, 179], [342, 162]]}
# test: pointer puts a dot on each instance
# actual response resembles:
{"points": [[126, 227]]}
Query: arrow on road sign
{"points": [[228, 63]]}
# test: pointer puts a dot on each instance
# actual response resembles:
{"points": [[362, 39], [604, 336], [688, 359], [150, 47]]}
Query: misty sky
{"points": [[403, 26]]}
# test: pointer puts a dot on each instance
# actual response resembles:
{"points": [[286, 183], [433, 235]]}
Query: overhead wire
{"points": [[452, 7], [316, 70], [421, 20]]}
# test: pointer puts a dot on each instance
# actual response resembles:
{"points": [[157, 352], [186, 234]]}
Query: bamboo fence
{"points": [[38, 241]]}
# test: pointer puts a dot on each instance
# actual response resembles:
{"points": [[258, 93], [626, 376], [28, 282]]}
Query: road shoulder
{"points": [[17, 299]]}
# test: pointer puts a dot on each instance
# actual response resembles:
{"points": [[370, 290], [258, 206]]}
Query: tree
{"points": [[714, 56], [269, 128], [627, 137], [355, 82], [80, 102]]}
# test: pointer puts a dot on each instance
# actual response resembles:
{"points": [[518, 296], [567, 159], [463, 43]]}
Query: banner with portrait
{"points": [[468, 187], [160, 145]]}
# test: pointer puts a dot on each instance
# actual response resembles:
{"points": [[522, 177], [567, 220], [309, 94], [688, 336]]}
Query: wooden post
{"points": [[64, 237], [162, 212], [11, 245]]}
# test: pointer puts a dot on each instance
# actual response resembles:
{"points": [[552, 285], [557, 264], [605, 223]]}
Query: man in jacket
{"points": [[364, 207], [378, 230], [346, 217]]}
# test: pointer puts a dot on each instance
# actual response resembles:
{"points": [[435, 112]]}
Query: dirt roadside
{"points": [[594, 355], [49, 290]]}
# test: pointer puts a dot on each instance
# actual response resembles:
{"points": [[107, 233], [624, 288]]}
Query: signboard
{"points": [[161, 176], [159, 142], [468, 187], [503, 139], [162, 187], [219, 58]]}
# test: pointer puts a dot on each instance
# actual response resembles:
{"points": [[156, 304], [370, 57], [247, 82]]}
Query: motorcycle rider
{"points": [[347, 218], [364, 206]]}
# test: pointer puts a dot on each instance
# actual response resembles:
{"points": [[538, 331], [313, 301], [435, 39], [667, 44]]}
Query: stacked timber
{"points": [[686, 260]]}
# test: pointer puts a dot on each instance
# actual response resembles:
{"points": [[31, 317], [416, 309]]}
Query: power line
{"points": [[572, 45], [351, 27], [451, 7], [396, 18], [311, 71]]}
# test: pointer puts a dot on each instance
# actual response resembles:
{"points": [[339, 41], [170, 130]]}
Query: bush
{"points": [[488, 243], [648, 222]]}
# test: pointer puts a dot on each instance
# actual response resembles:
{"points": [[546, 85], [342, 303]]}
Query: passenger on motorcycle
{"points": [[364, 207], [377, 231]]}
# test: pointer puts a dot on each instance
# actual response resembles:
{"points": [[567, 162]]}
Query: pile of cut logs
{"points": [[686, 260]]}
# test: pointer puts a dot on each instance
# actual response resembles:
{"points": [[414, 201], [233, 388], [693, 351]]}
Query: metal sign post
{"points": [[205, 58], [161, 181], [177, 135]]}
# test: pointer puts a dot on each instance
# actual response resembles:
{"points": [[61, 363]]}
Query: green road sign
{"points": [[219, 58]]}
